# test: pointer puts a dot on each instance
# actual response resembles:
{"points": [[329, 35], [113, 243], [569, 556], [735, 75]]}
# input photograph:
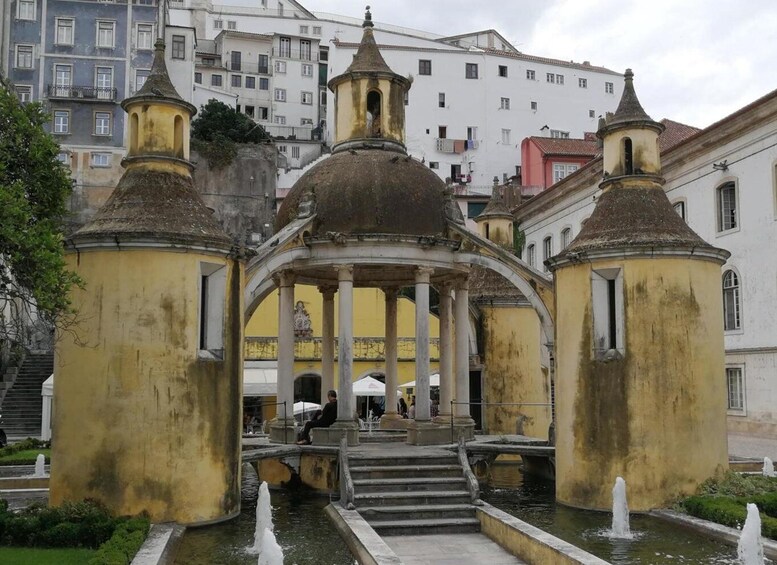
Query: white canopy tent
{"points": [[260, 381], [434, 380], [47, 392], [369, 386]]}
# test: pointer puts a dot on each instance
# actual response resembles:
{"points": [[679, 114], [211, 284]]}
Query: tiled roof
{"points": [[674, 133], [568, 147]]}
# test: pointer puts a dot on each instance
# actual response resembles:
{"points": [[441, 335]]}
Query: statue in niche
{"points": [[373, 114], [302, 327]]}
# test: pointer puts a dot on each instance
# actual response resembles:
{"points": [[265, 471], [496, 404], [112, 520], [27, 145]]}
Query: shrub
{"points": [[736, 484], [24, 445], [124, 543], [728, 511]]}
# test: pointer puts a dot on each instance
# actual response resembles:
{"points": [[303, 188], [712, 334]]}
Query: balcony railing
{"points": [[82, 93], [445, 145], [283, 53], [303, 133], [249, 68]]}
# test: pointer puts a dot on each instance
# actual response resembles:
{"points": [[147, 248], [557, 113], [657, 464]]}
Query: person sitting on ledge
{"points": [[328, 417]]}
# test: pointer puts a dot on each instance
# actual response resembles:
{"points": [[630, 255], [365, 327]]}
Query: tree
{"points": [[34, 280], [216, 120]]}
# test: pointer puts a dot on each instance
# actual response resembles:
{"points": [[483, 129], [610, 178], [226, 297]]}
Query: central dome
{"points": [[370, 191]]}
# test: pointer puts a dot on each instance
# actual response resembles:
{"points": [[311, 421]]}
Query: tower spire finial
{"points": [[368, 18]]}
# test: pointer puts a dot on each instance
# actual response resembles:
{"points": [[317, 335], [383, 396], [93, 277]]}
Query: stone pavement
{"points": [[455, 549], [740, 445]]}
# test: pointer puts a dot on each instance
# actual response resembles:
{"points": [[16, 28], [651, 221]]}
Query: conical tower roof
{"points": [[630, 111], [496, 207], [368, 57]]}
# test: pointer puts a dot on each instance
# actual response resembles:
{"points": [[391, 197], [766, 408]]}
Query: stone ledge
{"points": [[160, 545], [366, 546]]}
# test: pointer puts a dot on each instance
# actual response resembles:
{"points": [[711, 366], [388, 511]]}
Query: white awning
{"points": [[48, 386], [434, 380], [369, 387], [260, 381]]}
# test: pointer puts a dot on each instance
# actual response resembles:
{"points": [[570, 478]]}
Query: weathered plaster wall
{"points": [[351, 114], [513, 373], [140, 422], [644, 148], [656, 417]]}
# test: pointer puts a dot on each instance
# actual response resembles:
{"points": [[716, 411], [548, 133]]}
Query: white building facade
{"points": [[723, 181]]}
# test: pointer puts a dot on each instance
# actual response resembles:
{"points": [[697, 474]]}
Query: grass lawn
{"points": [[39, 556], [26, 457]]}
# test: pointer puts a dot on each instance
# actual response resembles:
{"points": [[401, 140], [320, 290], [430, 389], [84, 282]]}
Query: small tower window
{"points": [[213, 285], [134, 133], [608, 312], [628, 160], [488, 233], [178, 139], [373, 113]]}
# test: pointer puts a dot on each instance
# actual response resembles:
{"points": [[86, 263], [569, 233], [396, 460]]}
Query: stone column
{"points": [[446, 353], [282, 427], [390, 417], [327, 342], [461, 412], [422, 401]]}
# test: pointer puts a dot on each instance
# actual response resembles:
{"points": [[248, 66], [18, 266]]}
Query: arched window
{"points": [[628, 160], [731, 305], [134, 133], [727, 206], [373, 113], [178, 140], [566, 238], [530, 255], [487, 231], [547, 250]]}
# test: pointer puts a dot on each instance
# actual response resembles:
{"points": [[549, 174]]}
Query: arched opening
{"points": [[488, 231], [628, 158], [373, 113], [178, 139], [134, 133], [731, 303], [307, 388]]}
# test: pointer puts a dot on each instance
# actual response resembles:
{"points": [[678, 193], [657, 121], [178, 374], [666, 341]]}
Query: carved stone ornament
{"points": [[302, 327]]}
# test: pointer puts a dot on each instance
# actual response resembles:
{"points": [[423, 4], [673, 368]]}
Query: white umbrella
{"points": [[303, 407], [369, 387], [434, 380]]}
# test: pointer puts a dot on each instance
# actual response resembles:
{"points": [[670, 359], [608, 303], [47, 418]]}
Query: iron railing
{"points": [[82, 93], [303, 55], [249, 68]]}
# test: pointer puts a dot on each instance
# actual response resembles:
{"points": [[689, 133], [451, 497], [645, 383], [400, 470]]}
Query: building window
{"points": [[231, 24], [547, 251], [102, 123], [505, 104], [263, 113], [306, 121], [280, 67], [104, 82], [582, 82], [306, 97], [591, 114], [472, 132], [533, 105], [24, 56], [679, 207], [208, 61], [251, 82], [198, 78], [550, 77], [562, 170], [503, 70], [434, 164], [406, 98], [307, 70], [304, 49], [505, 137], [727, 206], [25, 10], [474, 209], [303, 30], [263, 64], [731, 305], [441, 100], [61, 121], [100, 159], [236, 58], [64, 158], [280, 95], [285, 47], [566, 238], [250, 111], [213, 291], [736, 389], [63, 76], [24, 93], [295, 151], [530, 74], [559, 79], [218, 24], [530, 255], [607, 302], [64, 34], [106, 34], [237, 81], [179, 47], [316, 30], [215, 80], [558, 134], [471, 70], [145, 36], [280, 120], [609, 88], [264, 83], [424, 67], [142, 74]]}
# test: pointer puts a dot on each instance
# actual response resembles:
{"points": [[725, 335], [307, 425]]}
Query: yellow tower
{"points": [[495, 222], [640, 391], [148, 385], [369, 97]]}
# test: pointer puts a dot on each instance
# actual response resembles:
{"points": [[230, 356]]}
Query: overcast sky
{"points": [[695, 61]]}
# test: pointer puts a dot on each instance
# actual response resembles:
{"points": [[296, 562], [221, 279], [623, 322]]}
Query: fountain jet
{"points": [[40, 466], [620, 511], [263, 520], [750, 549], [768, 470]]}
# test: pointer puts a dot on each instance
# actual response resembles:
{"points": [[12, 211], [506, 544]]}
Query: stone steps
{"points": [[22, 406], [418, 512], [426, 526], [394, 471], [411, 498], [408, 483]]}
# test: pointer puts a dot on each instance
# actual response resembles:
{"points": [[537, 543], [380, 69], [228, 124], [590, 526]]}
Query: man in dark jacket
{"points": [[328, 417]]}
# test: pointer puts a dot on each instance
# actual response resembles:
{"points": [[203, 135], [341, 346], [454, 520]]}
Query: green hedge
{"points": [[732, 511], [27, 444], [75, 524]]}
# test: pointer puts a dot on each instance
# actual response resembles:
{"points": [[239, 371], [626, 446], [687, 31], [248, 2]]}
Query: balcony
{"points": [[445, 145], [249, 68], [282, 53], [300, 133], [84, 93]]}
